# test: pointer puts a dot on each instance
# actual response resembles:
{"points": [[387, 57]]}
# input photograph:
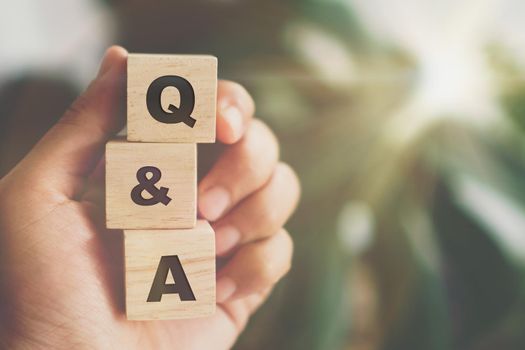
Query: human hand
{"points": [[61, 273]]}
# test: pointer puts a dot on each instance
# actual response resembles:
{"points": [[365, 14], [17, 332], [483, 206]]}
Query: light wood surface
{"points": [[177, 164], [195, 249], [199, 70]]}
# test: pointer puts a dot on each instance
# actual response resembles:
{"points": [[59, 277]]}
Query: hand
{"points": [[61, 277]]}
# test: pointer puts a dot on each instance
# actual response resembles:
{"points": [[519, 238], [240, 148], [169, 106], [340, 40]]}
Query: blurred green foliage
{"points": [[446, 269]]}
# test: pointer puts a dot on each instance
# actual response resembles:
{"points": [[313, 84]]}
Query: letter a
{"points": [[181, 285]]}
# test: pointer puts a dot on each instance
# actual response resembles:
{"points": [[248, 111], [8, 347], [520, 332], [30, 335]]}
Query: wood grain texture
{"points": [[196, 250], [199, 70], [177, 163]]}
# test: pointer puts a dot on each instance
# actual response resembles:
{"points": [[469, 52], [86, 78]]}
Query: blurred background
{"points": [[405, 120]]}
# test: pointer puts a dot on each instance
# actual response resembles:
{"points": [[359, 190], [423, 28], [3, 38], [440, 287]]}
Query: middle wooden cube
{"points": [[150, 185]]}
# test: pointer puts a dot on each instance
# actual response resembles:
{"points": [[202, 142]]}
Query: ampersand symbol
{"points": [[177, 115], [158, 195]]}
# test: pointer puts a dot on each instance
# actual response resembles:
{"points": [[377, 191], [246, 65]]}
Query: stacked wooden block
{"points": [[151, 187]]}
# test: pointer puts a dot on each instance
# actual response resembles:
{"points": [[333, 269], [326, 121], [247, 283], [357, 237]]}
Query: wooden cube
{"points": [[170, 273], [171, 98], [150, 185]]}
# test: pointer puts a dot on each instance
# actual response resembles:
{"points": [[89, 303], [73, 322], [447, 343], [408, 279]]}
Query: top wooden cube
{"points": [[171, 98]]}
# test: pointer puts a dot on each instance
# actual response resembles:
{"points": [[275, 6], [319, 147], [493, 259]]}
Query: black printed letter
{"points": [[181, 285]]}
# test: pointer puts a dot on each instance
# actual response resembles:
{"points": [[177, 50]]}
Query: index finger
{"points": [[235, 109]]}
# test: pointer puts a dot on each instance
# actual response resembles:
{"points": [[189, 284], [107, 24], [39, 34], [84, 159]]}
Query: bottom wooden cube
{"points": [[170, 274]]}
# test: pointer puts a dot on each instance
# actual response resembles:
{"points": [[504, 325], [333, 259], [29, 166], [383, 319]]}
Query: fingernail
{"points": [[104, 65], [225, 289], [233, 116], [213, 203], [226, 238]]}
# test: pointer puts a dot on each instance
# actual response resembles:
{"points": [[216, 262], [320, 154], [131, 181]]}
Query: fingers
{"points": [[70, 150], [256, 267], [235, 109], [239, 310], [243, 168], [263, 213]]}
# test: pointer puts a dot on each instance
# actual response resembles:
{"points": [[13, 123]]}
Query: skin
{"points": [[61, 282]]}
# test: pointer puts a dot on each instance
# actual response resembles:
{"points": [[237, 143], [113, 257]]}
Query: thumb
{"points": [[69, 151]]}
